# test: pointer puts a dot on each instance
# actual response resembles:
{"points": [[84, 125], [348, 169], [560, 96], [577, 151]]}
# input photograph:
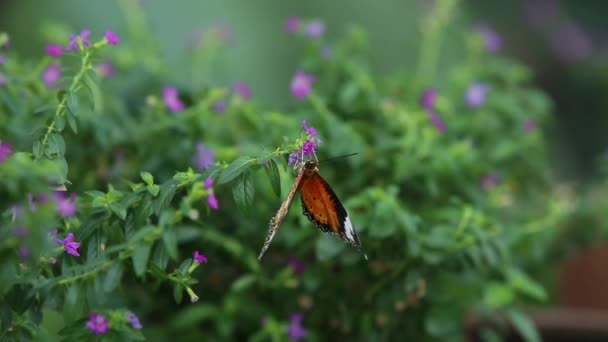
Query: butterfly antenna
{"points": [[338, 157]]}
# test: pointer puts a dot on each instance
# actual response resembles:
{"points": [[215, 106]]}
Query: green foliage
{"points": [[440, 244]]}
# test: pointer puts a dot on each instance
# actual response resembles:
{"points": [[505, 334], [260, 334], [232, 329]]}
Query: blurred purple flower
{"points": [[213, 202], [53, 50], [312, 132], [309, 147], [198, 257], [73, 44], [315, 28], [295, 329], [71, 247], [297, 265], [429, 97], [475, 95], [209, 183], [2, 79], [24, 252], [204, 157], [97, 323], [301, 85], [65, 206], [133, 320], [20, 231], [242, 89], [292, 24], [112, 38], [51, 74], [171, 99], [571, 44], [491, 39], [2, 59], [5, 150], [219, 106], [489, 181], [293, 158], [105, 70], [540, 13], [529, 125]]}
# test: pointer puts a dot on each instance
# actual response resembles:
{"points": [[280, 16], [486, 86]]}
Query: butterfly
{"points": [[320, 204]]}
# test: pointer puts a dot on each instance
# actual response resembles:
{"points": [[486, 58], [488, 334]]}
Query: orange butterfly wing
{"points": [[322, 206]]}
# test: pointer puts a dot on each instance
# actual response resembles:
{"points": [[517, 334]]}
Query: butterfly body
{"points": [[320, 205]]}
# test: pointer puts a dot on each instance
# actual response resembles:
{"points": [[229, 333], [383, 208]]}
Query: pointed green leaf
{"points": [[140, 258], [243, 191], [235, 169], [147, 177], [272, 171], [113, 277]]}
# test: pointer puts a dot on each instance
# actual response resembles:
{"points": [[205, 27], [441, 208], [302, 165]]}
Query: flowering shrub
{"points": [[114, 178]]}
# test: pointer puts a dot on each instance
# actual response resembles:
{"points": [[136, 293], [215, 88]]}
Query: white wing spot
{"points": [[350, 231]]}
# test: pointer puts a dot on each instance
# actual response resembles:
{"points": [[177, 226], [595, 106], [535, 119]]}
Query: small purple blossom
{"points": [[301, 85], [292, 24], [24, 252], [2, 59], [97, 323], [209, 183], [529, 125], [73, 44], [219, 106], [71, 247], [213, 202], [297, 265], [315, 29], [309, 147], [293, 158], [5, 150], [133, 320], [310, 130], [295, 329], [112, 38], [243, 90], [429, 97], [20, 231], [475, 96], [65, 206], [204, 157], [171, 99], [491, 39], [105, 70], [489, 181], [51, 74], [571, 43], [53, 50], [198, 257]]}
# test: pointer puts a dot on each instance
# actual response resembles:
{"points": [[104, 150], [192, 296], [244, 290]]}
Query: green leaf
{"points": [[153, 189], [73, 307], [119, 209], [243, 282], [235, 169], [113, 277], [147, 177], [178, 292], [37, 149], [243, 191], [170, 241], [55, 146], [140, 258], [59, 123], [72, 121], [72, 103], [167, 191], [272, 171], [524, 326], [521, 282]]}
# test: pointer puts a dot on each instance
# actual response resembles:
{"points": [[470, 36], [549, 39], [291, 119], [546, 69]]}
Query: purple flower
{"points": [[112, 38], [429, 97], [475, 95], [5, 150], [24, 252], [293, 158], [171, 99], [65, 206], [491, 39], [297, 265], [105, 70], [204, 157], [315, 29], [292, 24], [529, 125], [489, 181], [571, 44], [295, 329], [309, 147], [20, 231], [132, 318], [53, 50], [311, 131], [2, 59], [97, 323], [73, 44], [219, 106], [198, 257], [209, 183], [242, 89], [71, 247], [213, 202], [301, 84], [51, 74]]}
